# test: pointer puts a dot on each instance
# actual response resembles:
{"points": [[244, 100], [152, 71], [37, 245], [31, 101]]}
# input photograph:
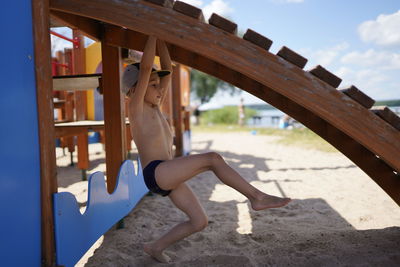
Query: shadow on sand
{"points": [[307, 232]]}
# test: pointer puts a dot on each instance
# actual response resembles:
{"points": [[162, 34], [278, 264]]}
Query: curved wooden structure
{"points": [[343, 118]]}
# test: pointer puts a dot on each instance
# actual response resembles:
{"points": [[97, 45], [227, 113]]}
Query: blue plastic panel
{"points": [[20, 226], [76, 232]]}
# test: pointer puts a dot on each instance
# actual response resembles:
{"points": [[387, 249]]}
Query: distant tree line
{"points": [[389, 103]]}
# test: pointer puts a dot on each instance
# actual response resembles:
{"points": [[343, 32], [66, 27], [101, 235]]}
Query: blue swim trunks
{"points": [[150, 178]]}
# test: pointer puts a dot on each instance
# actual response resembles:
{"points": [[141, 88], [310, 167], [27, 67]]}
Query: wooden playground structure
{"points": [[77, 85], [345, 118]]}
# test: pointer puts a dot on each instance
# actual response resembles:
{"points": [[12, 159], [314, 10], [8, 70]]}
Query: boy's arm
{"points": [[165, 61], [146, 64]]}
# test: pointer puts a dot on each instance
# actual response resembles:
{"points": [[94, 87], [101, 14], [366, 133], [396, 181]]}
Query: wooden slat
{"points": [[82, 144], [88, 75], [358, 96], [326, 76], [75, 84], [189, 10], [80, 99], [87, 124], [79, 68], [76, 128], [292, 57], [69, 116], [388, 115], [163, 3], [257, 39], [89, 26], [48, 176], [114, 115], [79, 127], [176, 110], [222, 23]]}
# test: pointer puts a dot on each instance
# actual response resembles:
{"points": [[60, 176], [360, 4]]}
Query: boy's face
{"points": [[154, 92]]}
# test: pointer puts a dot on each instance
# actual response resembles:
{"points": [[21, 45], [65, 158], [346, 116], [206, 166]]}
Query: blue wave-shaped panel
{"points": [[75, 233]]}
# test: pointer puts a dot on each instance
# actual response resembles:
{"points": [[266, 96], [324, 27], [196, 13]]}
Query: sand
{"points": [[338, 216]]}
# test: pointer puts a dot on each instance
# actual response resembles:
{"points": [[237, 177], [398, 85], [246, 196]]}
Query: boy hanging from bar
{"points": [[163, 174]]}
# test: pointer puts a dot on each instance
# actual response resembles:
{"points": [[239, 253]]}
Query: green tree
{"points": [[226, 115], [204, 86]]}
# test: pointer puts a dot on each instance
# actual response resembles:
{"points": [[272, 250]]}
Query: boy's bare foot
{"points": [[264, 201], [157, 255]]}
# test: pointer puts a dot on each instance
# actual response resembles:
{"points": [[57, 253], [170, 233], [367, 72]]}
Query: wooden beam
{"points": [[292, 57], [257, 39], [222, 23], [326, 76], [177, 110], [90, 27], [257, 64], [41, 36], [189, 10], [387, 115], [286, 105], [80, 99], [114, 115], [358, 96]]}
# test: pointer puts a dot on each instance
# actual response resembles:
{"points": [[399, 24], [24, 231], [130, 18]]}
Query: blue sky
{"points": [[358, 40]]}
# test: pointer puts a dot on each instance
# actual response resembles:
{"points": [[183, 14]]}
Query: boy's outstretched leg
{"points": [[258, 199], [171, 173]]}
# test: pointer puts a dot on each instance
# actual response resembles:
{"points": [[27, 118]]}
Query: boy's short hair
{"points": [[131, 76]]}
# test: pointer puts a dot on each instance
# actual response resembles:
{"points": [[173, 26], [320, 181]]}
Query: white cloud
{"points": [[372, 71], [372, 82], [324, 56], [217, 6], [220, 7], [196, 3], [381, 59], [384, 30]]}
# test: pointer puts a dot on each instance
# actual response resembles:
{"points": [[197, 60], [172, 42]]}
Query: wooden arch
{"points": [[310, 97]]}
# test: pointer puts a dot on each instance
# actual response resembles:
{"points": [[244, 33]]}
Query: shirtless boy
{"points": [[165, 175]]}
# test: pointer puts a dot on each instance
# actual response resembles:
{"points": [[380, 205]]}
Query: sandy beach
{"points": [[338, 216]]}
